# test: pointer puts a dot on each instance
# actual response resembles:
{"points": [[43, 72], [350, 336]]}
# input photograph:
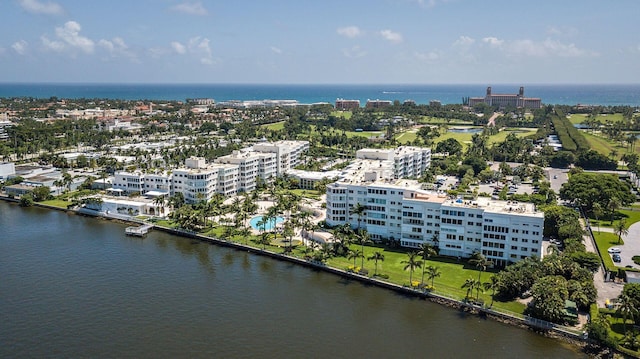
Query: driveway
{"points": [[631, 246]]}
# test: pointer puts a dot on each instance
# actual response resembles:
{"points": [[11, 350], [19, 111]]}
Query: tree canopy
{"points": [[585, 189]]}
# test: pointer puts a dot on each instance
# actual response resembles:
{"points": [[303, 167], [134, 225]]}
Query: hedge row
{"points": [[572, 140]]}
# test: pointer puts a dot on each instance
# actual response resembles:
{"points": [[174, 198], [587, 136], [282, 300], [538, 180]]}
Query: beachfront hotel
{"points": [[507, 100], [401, 210]]}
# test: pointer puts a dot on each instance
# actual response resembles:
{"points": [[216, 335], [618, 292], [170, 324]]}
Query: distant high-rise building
{"points": [[342, 104]]}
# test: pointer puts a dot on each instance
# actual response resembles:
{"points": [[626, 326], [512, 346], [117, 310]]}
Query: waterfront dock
{"points": [[140, 231]]}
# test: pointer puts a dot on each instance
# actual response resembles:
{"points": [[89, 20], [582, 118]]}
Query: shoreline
{"points": [[578, 340]]}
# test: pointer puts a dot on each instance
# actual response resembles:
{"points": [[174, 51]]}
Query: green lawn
{"points": [[276, 126], [406, 137], [606, 240], [602, 145], [366, 134], [307, 193], [344, 114], [465, 137], [437, 121], [630, 217], [57, 203], [449, 283]]}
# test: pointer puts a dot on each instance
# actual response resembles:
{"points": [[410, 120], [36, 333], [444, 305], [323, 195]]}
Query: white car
{"points": [[614, 250]]}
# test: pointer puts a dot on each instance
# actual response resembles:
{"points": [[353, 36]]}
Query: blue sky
{"points": [[328, 41]]}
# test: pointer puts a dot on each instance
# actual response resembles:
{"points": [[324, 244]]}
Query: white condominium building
{"points": [[400, 210], [288, 153], [251, 165], [408, 161], [200, 180]]}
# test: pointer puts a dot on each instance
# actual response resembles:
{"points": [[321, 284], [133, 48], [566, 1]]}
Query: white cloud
{"points": [[428, 56], [178, 48], [52, 45], [350, 31], [354, 52], [565, 31], [190, 8], [201, 48], [116, 47], [276, 50], [68, 38], [20, 47], [464, 41], [493, 41], [546, 48], [392, 36], [196, 46], [39, 7]]}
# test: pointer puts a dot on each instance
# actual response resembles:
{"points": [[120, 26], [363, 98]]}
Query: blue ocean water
{"points": [[608, 95]]}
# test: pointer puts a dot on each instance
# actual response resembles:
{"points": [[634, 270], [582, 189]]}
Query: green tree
{"points": [[41, 193], [627, 307], [480, 262], [411, 264], [354, 254], [585, 189], [433, 273], [376, 257], [425, 251], [491, 285], [470, 284], [621, 229]]}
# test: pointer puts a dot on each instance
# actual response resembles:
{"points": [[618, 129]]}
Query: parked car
{"points": [[614, 250], [616, 258]]}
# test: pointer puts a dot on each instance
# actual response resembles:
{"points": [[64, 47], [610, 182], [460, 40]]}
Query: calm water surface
{"points": [[72, 286]]}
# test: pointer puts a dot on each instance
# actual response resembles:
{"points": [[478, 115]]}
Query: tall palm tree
{"points": [[363, 238], [627, 308], [470, 284], [597, 211], [425, 250], [491, 285], [359, 210], [411, 264], [433, 273], [376, 256], [481, 262], [354, 254], [621, 229], [612, 207]]}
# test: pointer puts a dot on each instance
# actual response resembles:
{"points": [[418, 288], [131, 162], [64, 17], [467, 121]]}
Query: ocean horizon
{"points": [[563, 94]]}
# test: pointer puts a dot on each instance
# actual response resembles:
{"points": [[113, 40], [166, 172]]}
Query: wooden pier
{"points": [[138, 231]]}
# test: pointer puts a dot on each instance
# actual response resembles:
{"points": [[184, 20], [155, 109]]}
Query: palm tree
{"points": [[627, 308], [376, 256], [359, 210], [491, 285], [433, 273], [481, 263], [411, 264], [354, 254], [363, 238], [612, 206], [425, 250], [264, 240], [470, 284], [597, 210], [159, 202], [621, 229]]}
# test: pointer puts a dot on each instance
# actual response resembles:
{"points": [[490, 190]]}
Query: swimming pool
{"points": [[268, 225]]}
